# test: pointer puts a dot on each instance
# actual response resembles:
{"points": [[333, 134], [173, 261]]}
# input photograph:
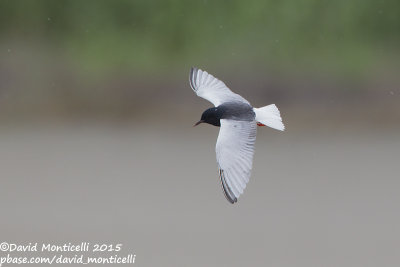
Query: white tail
{"points": [[269, 116]]}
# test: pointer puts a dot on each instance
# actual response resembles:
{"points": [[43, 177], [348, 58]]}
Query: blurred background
{"points": [[97, 144]]}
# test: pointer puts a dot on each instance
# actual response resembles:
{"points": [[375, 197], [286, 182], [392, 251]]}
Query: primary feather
{"points": [[235, 150], [210, 88]]}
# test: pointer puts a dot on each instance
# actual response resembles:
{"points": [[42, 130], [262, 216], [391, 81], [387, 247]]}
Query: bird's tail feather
{"points": [[270, 116]]}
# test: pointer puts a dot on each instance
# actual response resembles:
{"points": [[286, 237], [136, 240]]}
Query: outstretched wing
{"points": [[210, 88], [235, 150]]}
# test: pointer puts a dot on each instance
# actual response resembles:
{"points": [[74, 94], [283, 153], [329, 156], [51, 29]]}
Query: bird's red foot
{"points": [[260, 124]]}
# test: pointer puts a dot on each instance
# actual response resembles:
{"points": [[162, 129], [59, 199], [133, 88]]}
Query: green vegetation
{"points": [[155, 36]]}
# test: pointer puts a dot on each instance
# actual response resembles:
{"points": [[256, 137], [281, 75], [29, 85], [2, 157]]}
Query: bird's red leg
{"points": [[260, 124]]}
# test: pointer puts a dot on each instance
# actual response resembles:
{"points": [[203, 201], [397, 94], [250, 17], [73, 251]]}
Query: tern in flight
{"points": [[238, 121]]}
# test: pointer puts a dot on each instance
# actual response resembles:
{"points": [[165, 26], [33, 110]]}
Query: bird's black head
{"points": [[211, 116]]}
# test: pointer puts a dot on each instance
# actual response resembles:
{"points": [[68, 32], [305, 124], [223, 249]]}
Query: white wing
{"points": [[235, 150], [210, 88]]}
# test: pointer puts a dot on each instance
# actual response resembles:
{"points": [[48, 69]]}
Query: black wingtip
{"points": [[225, 188], [193, 77]]}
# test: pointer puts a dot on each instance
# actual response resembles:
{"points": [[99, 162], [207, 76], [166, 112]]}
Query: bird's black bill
{"points": [[197, 123]]}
